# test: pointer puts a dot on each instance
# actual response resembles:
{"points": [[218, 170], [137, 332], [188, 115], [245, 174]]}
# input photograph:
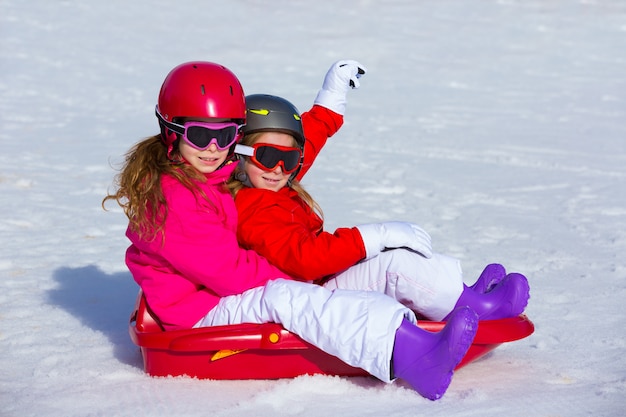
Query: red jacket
{"points": [[282, 228]]}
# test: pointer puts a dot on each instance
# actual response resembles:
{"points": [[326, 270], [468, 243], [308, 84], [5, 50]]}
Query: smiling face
{"points": [[207, 160], [274, 179]]}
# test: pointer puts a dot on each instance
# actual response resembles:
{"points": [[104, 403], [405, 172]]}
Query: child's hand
{"points": [[341, 76], [380, 236]]}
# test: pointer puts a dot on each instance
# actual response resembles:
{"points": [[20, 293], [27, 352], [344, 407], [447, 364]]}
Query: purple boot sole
{"points": [[427, 360], [507, 299], [489, 278]]}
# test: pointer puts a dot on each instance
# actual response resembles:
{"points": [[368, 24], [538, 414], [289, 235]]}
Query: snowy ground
{"points": [[499, 126]]}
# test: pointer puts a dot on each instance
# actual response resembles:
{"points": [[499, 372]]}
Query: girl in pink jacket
{"points": [[185, 257]]}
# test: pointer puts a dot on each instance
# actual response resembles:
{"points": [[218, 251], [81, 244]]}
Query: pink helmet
{"points": [[199, 90]]}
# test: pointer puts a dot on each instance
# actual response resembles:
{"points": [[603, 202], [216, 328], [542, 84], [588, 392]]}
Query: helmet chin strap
{"points": [[170, 153], [241, 175], [229, 158]]}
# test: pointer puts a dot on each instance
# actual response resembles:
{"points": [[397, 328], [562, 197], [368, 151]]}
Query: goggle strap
{"points": [[244, 150], [171, 126]]}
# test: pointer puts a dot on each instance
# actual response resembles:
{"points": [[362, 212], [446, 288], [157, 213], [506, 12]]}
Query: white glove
{"points": [[341, 76], [380, 236]]}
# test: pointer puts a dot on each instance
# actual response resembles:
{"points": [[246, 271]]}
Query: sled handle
{"points": [[263, 336]]}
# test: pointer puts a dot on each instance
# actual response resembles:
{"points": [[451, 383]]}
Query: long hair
{"points": [[235, 183], [138, 184]]}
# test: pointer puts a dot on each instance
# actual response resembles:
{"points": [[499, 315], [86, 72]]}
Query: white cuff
{"points": [[371, 239], [333, 101]]}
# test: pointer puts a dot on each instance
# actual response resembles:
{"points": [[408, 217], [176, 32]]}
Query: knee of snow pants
{"points": [[430, 287], [356, 326]]}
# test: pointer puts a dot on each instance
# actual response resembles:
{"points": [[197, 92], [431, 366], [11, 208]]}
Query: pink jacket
{"points": [[200, 261]]}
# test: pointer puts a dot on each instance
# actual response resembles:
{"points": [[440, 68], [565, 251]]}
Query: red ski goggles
{"points": [[201, 135], [268, 157]]}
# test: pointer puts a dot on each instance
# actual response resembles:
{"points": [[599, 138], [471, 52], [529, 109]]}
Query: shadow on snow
{"points": [[102, 302]]}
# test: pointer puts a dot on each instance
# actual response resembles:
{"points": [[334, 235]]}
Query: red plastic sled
{"points": [[268, 351]]}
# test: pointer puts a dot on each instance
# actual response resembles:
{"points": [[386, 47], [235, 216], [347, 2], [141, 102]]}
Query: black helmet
{"points": [[272, 113]]}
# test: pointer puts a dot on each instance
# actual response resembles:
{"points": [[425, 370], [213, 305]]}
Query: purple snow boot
{"points": [[489, 278], [426, 360], [507, 299]]}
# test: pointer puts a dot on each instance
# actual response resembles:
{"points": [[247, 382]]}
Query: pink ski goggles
{"points": [[201, 135]]}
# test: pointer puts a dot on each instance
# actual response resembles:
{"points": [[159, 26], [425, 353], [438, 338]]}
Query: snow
{"points": [[498, 126]]}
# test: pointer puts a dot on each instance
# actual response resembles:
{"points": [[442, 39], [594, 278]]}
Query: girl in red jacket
{"points": [[185, 256], [280, 221]]}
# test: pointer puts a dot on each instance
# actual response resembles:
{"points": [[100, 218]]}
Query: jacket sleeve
{"points": [[201, 246], [318, 124], [277, 228]]}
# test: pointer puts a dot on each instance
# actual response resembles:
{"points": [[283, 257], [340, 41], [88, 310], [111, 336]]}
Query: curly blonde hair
{"points": [[234, 184], [138, 184]]}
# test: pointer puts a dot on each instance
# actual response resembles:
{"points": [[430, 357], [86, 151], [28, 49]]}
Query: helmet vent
{"points": [[231, 91], [202, 89]]}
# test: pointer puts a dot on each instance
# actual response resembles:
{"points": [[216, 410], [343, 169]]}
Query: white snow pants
{"points": [[430, 287], [358, 327]]}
